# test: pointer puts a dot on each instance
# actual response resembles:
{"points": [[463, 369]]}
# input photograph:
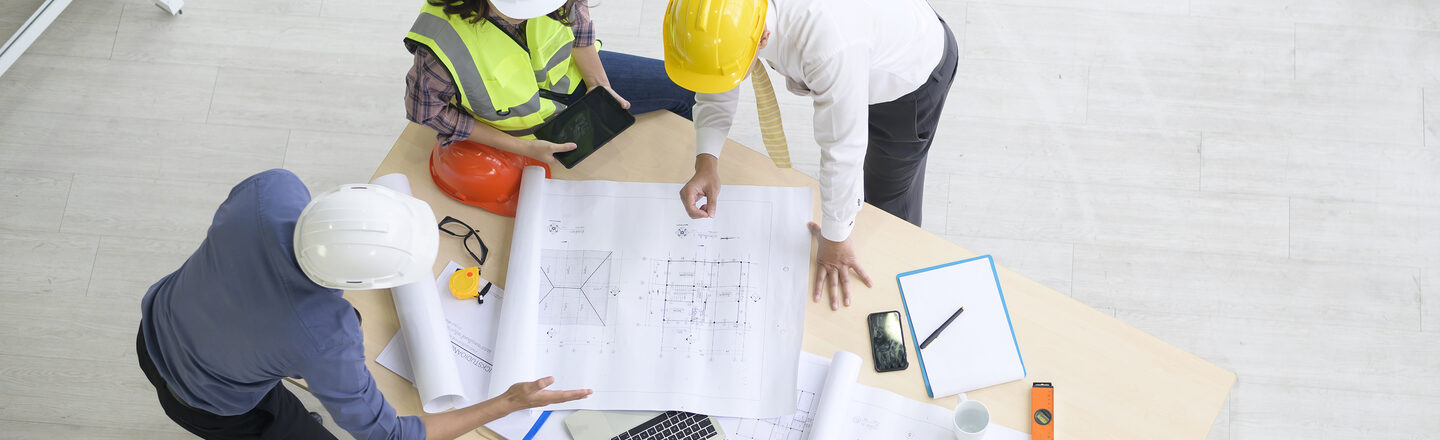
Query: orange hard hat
{"points": [[480, 175]]}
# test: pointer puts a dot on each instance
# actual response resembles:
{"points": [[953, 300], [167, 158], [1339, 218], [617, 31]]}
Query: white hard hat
{"points": [[365, 236], [526, 9]]}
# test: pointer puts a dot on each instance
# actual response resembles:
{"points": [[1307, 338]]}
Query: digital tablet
{"points": [[590, 123]]}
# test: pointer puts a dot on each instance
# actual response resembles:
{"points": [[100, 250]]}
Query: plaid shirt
{"points": [[429, 88]]}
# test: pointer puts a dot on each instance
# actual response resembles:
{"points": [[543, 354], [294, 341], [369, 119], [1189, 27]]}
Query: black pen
{"points": [[942, 328]]}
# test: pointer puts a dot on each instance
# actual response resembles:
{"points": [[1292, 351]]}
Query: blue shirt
{"points": [[239, 315]]}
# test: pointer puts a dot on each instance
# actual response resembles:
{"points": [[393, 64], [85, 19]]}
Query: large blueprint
{"points": [[611, 286]]}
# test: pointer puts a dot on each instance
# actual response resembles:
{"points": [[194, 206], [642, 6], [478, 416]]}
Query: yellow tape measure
{"points": [[465, 283]]}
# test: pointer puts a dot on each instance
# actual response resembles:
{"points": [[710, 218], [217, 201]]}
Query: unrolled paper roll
{"points": [[834, 404], [422, 323], [515, 336]]}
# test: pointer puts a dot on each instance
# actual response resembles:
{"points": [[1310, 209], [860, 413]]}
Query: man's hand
{"points": [[705, 183], [833, 262], [623, 103], [544, 151], [525, 395]]}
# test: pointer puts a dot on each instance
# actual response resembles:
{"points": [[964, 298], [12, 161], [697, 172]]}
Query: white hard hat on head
{"points": [[364, 236], [526, 9]]}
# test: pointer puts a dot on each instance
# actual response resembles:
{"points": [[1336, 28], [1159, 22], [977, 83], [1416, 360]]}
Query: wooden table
{"points": [[1112, 381]]}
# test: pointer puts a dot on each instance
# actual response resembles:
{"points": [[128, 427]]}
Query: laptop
{"points": [[642, 425]]}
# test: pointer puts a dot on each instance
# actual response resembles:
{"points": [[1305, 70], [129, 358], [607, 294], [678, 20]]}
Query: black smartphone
{"points": [[592, 121], [887, 341]]}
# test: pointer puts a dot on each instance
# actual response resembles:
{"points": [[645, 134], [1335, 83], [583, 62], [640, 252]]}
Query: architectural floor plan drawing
{"points": [[576, 287], [616, 289], [792, 427], [702, 306]]}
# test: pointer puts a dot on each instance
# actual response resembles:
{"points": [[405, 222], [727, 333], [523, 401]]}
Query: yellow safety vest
{"points": [[500, 82]]}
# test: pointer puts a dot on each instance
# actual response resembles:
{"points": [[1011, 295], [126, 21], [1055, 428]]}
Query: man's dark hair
{"points": [[476, 10]]}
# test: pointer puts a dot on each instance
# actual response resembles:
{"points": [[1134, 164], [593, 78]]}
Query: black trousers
{"points": [[900, 135], [279, 415]]}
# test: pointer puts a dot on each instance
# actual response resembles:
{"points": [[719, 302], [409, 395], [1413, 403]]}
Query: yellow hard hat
{"points": [[709, 44]]}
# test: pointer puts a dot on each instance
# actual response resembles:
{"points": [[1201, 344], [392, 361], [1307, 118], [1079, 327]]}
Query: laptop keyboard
{"points": [[672, 425]]}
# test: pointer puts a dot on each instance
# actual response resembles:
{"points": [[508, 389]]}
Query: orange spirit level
{"points": [[1042, 400]]}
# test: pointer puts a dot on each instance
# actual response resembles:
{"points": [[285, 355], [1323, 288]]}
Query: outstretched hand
{"points": [[525, 395], [833, 263]]}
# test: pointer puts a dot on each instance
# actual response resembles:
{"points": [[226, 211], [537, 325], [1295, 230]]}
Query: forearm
{"points": [[486, 134], [587, 58], [714, 114], [841, 112], [446, 426]]}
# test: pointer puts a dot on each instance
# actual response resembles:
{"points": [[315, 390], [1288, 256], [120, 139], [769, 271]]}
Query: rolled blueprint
{"points": [[834, 404], [422, 323], [515, 337]]}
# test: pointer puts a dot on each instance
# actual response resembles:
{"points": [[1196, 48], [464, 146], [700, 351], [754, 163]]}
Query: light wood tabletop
{"points": [[1111, 380]]}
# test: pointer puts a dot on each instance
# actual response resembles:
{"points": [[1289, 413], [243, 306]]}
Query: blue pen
{"points": [[538, 423]]}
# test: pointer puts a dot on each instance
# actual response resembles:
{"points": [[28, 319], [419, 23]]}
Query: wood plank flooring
{"points": [[1255, 181]]}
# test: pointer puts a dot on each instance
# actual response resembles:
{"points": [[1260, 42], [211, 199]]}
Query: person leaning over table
{"points": [[878, 71], [260, 301], [492, 71]]}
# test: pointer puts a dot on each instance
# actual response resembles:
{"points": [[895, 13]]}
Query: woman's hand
{"points": [[525, 395], [623, 103], [544, 151]]}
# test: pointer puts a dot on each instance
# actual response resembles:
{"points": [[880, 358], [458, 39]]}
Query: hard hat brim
{"points": [[701, 83], [526, 9]]}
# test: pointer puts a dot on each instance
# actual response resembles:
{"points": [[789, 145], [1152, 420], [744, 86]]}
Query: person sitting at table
{"points": [[878, 72], [492, 71], [260, 300]]}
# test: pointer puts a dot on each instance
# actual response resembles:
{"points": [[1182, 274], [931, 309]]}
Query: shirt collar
{"points": [[503, 23], [771, 48]]}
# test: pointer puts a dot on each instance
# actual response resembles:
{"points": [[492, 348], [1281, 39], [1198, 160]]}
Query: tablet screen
{"points": [[592, 122]]}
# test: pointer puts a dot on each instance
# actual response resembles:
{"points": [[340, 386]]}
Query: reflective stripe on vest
{"points": [[519, 108]]}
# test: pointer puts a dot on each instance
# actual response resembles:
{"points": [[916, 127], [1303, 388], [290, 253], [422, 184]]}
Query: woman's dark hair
{"points": [[476, 10]]}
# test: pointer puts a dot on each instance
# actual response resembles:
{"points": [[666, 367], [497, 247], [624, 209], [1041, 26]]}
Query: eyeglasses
{"points": [[457, 228]]}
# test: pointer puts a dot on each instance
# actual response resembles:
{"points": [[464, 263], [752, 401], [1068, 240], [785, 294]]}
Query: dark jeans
{"points": [[643, 82], [900, 135], [279, 415]]}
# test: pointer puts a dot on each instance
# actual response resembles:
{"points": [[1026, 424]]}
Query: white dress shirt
{"points": [[847, 54]]}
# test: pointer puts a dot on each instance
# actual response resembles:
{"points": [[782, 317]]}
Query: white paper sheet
{"points": [[979, 348], [418, 310], [614, 288], [520, 317], [470, 334], [835, 396], [864, 413]]}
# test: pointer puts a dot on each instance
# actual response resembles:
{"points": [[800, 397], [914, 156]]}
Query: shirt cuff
{"points": [[836, 230], [709, 140]]}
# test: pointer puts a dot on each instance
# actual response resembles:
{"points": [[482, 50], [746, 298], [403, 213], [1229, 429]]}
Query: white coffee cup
{"points": [[971, 419]]}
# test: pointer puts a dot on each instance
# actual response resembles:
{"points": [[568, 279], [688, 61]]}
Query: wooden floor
{"points": [[1255, 181]]}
